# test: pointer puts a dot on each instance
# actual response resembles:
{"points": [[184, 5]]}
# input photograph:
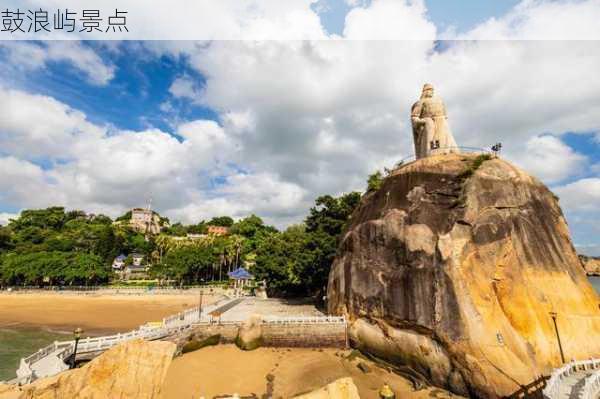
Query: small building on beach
{"points": [[119, 262]]}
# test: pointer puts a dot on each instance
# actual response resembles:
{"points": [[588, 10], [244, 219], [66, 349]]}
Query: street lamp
{"points": [[200, 302], [77, 333], [562, 355]]}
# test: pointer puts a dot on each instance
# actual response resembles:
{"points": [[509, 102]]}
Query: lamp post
{"points": [[200, 302], [77, 333], [562, 355]]}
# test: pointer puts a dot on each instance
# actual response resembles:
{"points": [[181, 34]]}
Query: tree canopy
{"points": [[54, 246]]}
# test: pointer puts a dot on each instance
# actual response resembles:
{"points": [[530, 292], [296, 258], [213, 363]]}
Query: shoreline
{"points": [[102, 314]]}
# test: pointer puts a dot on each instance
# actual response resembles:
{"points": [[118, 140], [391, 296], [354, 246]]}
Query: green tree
{"points": [[325, 223], [55, 267], [374, 182], [188, 264], [281, 260], [225, 221], [6, 242], [124, 217], [176, 229], [49, 218], [102, 219], [199, 228]]}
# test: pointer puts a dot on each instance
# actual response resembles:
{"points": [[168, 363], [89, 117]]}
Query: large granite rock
{"points": [[454, 266], [250, 333], [591, 265], [135, 369]]}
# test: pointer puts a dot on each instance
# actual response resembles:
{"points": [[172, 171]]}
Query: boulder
{"points": [[135, 369], [591, 265], [343, 388], [455, 267], [250, 334]]}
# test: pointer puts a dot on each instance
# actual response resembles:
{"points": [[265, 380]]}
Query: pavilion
{"points": [[241, 277]]}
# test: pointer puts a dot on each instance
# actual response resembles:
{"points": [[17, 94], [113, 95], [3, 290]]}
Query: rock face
{"points": [[454, 266], [135, 369], [250, 333], [343, 388], [591, 265]]}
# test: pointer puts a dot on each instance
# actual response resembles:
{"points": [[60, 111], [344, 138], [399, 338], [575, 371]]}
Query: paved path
{"points": [[223, 309], [268, 307], [570, 386], [49, 365]]}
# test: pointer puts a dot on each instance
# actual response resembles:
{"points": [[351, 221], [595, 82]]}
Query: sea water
{"points": [[595, 280], [22, 342]]}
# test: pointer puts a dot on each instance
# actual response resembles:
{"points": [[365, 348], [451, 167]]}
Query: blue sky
{"points": [[133, 98], [460, 14], [240, 127]]}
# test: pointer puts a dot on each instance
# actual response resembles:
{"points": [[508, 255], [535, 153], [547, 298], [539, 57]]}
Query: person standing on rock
{"points": [[431, 132]]}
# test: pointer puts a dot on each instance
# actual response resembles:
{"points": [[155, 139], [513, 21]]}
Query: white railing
{"points": [[304, 320], [192, 315], [552, 389]]}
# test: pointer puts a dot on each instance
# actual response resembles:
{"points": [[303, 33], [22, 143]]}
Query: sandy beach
{"points": [[224, 369], [96, 314]]}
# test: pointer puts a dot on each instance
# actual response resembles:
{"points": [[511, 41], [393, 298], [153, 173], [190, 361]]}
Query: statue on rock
{"points": [[431, 132]]}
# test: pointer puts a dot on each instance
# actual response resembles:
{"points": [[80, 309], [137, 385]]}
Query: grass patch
{"points": [[473, 166], [355, 354], [248, 346], [194, 344]]}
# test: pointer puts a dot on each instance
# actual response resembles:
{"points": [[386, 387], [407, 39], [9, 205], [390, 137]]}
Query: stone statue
{"points": [[431, 132]]}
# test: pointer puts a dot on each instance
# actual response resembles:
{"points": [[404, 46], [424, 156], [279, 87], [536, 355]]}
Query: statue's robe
{"points": [[431, 132]]}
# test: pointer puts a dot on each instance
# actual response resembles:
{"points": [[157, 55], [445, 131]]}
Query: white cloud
{"points": [[389, 20], [35, 55], [5, 217], [319, 116], [185, 87], [25, 184], [305, 118], [33, 126], [581, 195], [337, 110], [263, 194], [108, 171], [549, 159], [542, 20]]}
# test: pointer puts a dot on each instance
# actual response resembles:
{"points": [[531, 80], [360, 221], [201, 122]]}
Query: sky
{"points": [[235, 127]]}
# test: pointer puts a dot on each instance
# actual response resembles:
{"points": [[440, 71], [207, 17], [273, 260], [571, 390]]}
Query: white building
{"points": [[119, 262]]}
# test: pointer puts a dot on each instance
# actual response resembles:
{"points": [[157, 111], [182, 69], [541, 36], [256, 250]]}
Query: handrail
{"points": [[462, 149], [552, 389], [304, 320]]}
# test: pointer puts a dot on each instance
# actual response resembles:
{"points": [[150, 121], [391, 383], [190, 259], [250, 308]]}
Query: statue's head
{"points": [[427, 90]]}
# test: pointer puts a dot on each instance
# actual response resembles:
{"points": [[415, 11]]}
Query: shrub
{"points": [[194, 344]]}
